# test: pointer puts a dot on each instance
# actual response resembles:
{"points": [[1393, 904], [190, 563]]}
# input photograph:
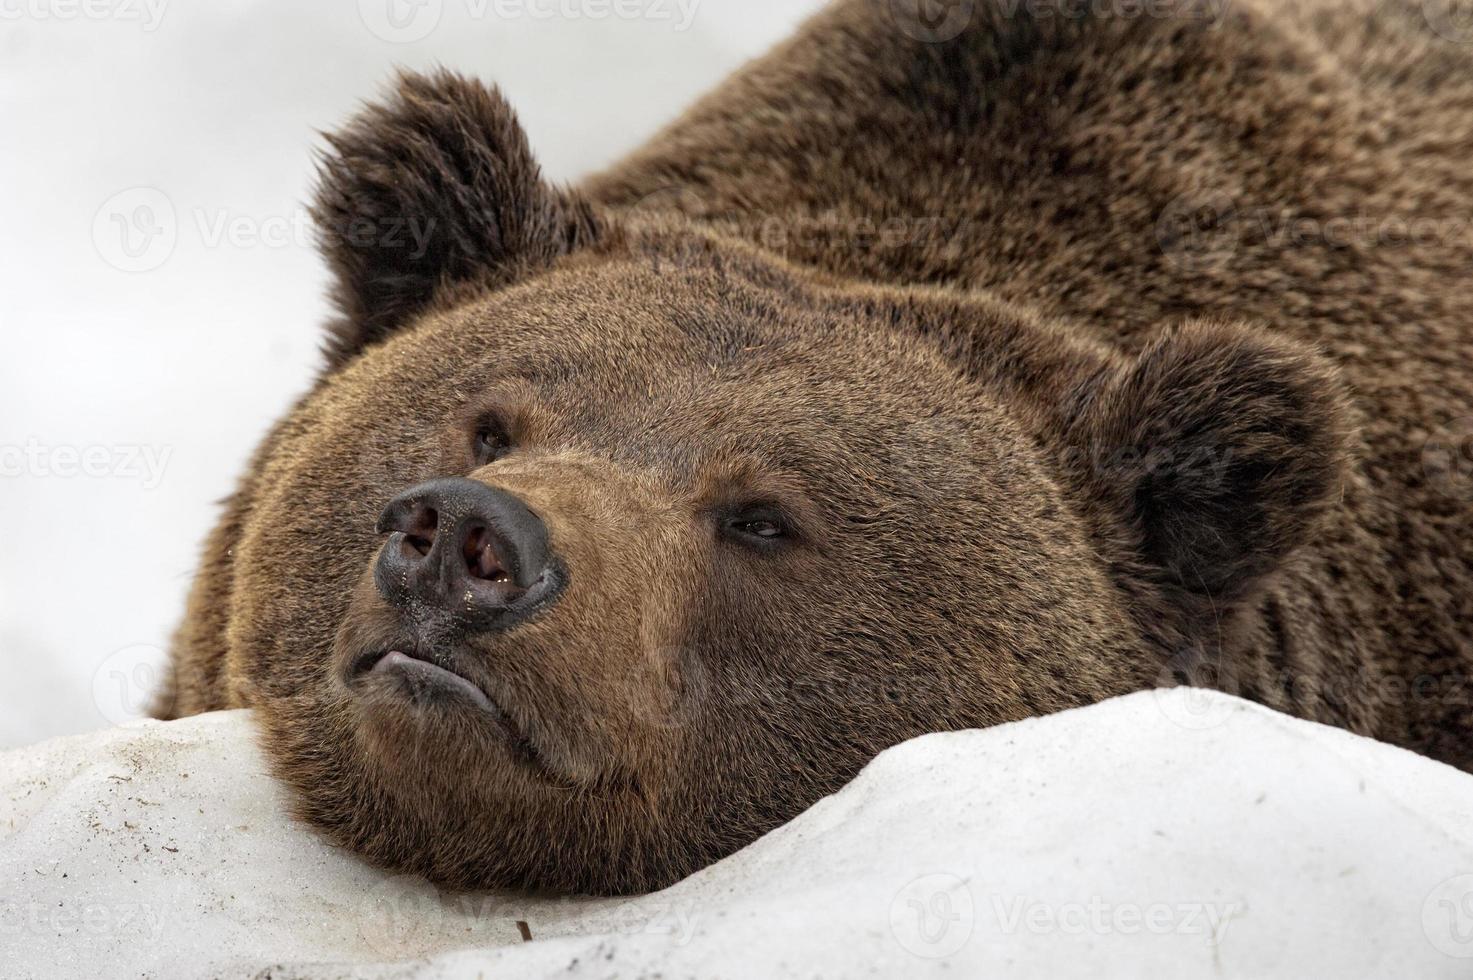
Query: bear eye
{"points": [[759, 526], [492, 442]]}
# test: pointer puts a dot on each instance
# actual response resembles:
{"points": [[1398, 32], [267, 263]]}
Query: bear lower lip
{"points": [[434, 674], [428, 680]]}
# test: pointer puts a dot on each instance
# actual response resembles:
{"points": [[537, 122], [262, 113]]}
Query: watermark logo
{"points": [[1447, 459], [405, 917], [933, 916], [136, 230], [400, 21], [1204, 11], [399, 917], [1199, 233], [33, 458], [1189, 690], [1099, 917], [932, 21], [146, 13], [1450, 19], [136, 921], [662, 707], [407, 21], [674, 922], [937, 21], [126, 684], [1447, 917], [1204, 231]]}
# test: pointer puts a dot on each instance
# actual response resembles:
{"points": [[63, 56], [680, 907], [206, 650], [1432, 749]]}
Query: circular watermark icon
{"points": [[1447, 459], [400, 21], [1447, 917], [1450, 19], [1189, 691], [680, 198], [933, 916], [663, 706], [126, 684], [932, 21], [399, 917], [136, 230], [1199, 232], [670, 206]]}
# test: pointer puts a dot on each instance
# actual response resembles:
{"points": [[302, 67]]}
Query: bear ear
{"points": [[1220, 447], [433, 189]]}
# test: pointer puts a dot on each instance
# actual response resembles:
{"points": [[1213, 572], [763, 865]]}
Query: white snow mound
{"points": [[1175, 834]]}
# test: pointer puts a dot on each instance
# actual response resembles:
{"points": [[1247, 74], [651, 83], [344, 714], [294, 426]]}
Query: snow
{"points": [[1177, 834]]}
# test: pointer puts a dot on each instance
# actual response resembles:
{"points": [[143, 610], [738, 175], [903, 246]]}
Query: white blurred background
{"points": [[161, 302]]}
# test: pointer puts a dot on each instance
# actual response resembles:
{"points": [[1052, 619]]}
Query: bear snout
{"points": [[558, 586], [466, 551]]}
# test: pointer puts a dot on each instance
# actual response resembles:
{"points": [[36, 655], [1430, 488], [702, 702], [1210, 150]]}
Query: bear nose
{"points": [[462, 547]]}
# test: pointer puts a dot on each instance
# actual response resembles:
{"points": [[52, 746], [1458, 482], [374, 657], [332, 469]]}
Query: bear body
{"points": [[907, 383]]}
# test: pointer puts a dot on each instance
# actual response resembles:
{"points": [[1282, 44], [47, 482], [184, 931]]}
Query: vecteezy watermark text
{"points": [[1202, 232], [1099, 917], [935, 21], [406, 916], [145, 13], [406, 21], [44, 920], [136, 230], [34, 458]]}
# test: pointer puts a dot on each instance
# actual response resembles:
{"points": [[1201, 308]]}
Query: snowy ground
{"points": [[1175, 834], [137, 369]]}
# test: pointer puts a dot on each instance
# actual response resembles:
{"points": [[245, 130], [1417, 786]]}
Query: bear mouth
{"points": [[440, 681]]}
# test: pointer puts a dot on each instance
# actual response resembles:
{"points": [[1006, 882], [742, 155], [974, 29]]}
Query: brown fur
{"points": [[995, 319]]}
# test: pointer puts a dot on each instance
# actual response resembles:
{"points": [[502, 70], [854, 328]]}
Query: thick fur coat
{"points": [[1069, 352]]}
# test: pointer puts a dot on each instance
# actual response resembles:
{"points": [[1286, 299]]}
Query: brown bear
{"points": [[932, 373]]}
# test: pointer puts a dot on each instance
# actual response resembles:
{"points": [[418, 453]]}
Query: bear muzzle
{"points": [[466, 552], [536, 605]]}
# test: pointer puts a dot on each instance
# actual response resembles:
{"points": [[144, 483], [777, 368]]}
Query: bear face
{"points": [[693, 682], [607, 544]]}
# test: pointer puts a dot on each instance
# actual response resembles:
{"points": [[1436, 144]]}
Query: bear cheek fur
{"points": [[428, 795]]}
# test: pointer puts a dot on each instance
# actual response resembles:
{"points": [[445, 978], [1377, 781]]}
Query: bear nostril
{"points": [[482, 558], [419, 530]]}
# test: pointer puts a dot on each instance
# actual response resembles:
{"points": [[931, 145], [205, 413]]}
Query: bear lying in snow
{"points": [[907, 383]]}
